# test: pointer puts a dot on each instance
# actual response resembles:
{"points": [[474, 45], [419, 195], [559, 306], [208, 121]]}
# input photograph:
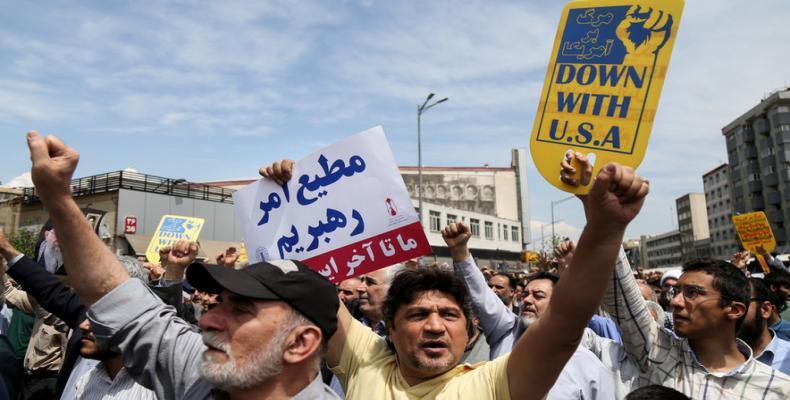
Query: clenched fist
{"points": [[53, 166], [457, 235], [616, 196]]}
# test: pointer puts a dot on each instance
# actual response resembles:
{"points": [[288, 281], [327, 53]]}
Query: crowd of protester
{"points": [[80, 322]]}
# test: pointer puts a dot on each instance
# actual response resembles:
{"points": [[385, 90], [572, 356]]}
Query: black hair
{"points": [[777, 279], [728, 280], [408, 284], [656, 392], [762, 293], [554, 278], [511, 280]]}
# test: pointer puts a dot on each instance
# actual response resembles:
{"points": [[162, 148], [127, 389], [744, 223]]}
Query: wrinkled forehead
{"points": [[432, 299], [499, 279], [544, 285]]}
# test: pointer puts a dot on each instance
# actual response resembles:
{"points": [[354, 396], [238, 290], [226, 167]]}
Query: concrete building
{"points": [[632, 248], [723, 238], [661, 251], [692, 226], [758, 152], [119, 198]]}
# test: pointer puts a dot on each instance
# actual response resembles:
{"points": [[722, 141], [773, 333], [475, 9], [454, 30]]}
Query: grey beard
{"points": [[524, 322]]}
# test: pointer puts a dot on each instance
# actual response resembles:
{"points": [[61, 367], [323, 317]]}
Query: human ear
{"points": [[303, 343]]}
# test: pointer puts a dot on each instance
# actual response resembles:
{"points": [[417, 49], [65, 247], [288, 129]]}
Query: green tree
{"points": [[24, 241]]}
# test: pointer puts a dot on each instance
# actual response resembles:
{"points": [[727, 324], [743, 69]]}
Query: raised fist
{"points": [[279, 171], [182, 254], [457, 235], [644, 31], [564, 254], [228, 258], [616, 196], [53, 166]]}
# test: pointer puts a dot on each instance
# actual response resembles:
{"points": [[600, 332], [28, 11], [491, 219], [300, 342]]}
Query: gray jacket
{"points": [[161, 351]]}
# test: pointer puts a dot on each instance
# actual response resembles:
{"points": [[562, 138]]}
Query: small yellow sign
{"points": [[754, 230], [603, 83], [173, 228]]}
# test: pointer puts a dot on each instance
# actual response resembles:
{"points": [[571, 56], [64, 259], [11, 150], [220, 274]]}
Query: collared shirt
{"points": [[368, 369], [776, 354], [97, 385], [664, 359], [380, 328], [81, 367], [782, 329], [164, 351]]}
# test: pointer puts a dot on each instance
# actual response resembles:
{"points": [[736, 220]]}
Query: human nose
{"points": [[85, 325], [676, 300], [211, 320], [434, 324]]}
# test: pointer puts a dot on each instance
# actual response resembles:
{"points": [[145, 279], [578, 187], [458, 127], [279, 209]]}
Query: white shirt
{"points": [[96, 385]]}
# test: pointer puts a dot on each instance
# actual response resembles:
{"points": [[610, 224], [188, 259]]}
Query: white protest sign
{"points": [[345, 212]]}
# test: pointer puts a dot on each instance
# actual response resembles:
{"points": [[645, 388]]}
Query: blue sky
{"points": [[211, 90]]}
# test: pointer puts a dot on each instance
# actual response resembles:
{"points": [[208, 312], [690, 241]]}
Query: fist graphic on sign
{"points": [[644, 32]]}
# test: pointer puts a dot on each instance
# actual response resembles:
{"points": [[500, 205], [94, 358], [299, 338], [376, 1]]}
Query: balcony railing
{"points": [[114, 181]]}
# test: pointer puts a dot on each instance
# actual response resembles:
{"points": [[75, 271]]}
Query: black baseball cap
{"points": [[290, 281]]}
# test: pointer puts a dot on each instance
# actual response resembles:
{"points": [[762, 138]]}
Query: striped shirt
{"points": [[667, 360], [97, 385]]}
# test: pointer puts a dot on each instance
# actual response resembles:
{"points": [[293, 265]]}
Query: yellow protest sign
{"points": [[171, 229], [603, 83], [754, 230]]}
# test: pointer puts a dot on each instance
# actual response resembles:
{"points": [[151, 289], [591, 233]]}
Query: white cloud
{"points": [[20, 181], [561, 229]]}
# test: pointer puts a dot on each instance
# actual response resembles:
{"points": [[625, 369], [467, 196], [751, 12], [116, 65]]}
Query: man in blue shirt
{"points": [[767, 347]]}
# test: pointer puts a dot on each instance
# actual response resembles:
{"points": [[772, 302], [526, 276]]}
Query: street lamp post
{"points": [[553, 202], [421, 109]]}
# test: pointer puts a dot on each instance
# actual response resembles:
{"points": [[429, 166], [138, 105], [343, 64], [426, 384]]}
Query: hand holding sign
{"points": [[343, 210]]}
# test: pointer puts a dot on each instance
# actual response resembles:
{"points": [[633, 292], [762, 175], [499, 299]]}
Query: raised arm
{"points": [[84, 254], [540, 354], [496, 319]]}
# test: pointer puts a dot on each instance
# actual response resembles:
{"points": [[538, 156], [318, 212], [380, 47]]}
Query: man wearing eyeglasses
{"points": [[703, 358]]}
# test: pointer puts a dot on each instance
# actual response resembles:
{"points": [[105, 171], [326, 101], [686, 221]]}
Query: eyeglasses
{"points": [[690, 292]]}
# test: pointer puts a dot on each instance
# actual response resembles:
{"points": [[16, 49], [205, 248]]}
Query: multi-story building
{"points": [[758, 151], [692, 226], [723, 239], [661, 251]]}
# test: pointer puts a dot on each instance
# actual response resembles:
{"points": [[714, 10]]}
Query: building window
{"points": [[475, 225], [514, 233], [451, 219], [504, 232], [489, 230], [435, 218]]}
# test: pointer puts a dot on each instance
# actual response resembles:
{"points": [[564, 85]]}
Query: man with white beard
{"points": [[264, 339]]}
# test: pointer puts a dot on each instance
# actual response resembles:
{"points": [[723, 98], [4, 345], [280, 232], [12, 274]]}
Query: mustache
{"points": [[434, 343], [215, 340]]}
